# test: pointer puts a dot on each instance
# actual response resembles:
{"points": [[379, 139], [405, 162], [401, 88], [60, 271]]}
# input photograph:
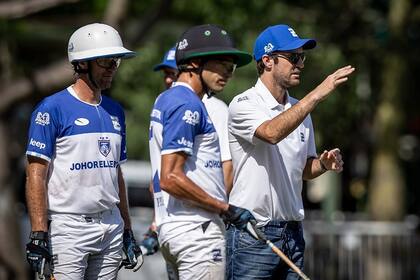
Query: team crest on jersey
{"points": [[191, 118], [42, 118], [104, 146], [116, 123]]}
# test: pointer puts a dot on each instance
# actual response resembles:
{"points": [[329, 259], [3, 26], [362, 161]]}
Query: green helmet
{"points": [[208, 40]]}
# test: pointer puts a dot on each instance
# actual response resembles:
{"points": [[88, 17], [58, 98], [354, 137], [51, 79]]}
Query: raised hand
{"points": [[333, 81]]}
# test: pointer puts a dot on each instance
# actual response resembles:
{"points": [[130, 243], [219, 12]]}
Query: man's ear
{"points": [[83, 64], [268, 63], [195, 62]]}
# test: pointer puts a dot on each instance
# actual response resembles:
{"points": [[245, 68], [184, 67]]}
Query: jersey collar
{"points": [[268, 98], [174, 84], [70, 89]]}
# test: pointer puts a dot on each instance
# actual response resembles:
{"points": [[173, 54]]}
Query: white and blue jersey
{"points": [[180, 123], [84, 144]]}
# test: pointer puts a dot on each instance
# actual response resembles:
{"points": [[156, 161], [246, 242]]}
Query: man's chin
{"points": [[217, 89], [294, 82]]}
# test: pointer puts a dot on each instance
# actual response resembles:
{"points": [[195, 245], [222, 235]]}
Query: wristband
{"points": [[38, 235]]}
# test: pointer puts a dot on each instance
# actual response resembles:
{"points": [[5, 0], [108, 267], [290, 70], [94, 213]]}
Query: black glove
{"points": [[237, 216], [133, 255], [37, 253], [150, 242]]}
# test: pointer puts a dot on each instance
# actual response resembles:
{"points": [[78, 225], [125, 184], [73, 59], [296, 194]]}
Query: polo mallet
{"points": [[257, 234], [46, 273]]}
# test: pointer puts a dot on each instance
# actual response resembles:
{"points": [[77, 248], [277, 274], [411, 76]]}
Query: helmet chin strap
{"points": [[90, 76], [206, 88], [88, 71], [199, 71]]}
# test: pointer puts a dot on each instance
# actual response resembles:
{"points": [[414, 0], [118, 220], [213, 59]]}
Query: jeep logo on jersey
{"points": [[116, 123], [37, 144], [42, 118], [185, 142], [191, 118], [104, 146]]}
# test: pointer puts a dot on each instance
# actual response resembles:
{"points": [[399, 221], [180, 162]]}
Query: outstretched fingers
{"points": [[341, 75]]}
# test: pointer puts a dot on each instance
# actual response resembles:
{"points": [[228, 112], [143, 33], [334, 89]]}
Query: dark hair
{"points": [[260, 67], [77, 68]]}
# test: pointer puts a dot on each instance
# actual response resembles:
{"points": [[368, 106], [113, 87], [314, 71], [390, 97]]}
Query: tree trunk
{"points": [[387, 186], [12, 261]]}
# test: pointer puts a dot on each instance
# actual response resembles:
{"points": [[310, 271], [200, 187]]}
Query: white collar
{"points": [[71, 90], [268, 98], [174, 84]]}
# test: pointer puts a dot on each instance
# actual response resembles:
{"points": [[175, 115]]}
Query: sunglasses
{"points": [[229, 66], [294, 58], [108, 62]]}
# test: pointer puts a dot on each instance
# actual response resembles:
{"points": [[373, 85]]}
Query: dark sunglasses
{"points": [[108, 62], [294, 58], [229, 66]]}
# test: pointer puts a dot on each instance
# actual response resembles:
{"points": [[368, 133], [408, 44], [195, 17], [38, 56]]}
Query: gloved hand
{"points": [[237, 216], [38, 255], [134, 256], [150, 242]]}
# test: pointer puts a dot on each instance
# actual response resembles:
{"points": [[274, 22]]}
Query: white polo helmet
{"points": [[96, 40]]}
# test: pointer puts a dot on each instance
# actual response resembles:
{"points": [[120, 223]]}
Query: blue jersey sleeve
{"points": [[43, 131], [123, 156], [180, 127]]}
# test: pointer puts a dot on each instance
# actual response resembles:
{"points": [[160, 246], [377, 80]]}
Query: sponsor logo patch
{"points": [[302, 137], [191, 118], [94, 164], [37, 144], [292, 32], [243, 98], [268, 48], [213, 164], [183, 44], [171, 55], [116, 123], [81, 122], [42, 118], [185, 142], [104, 146], [217, 255], [156, 114]]}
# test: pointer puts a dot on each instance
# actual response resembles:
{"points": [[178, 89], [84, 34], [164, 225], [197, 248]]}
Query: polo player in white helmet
{"points": [[76, 195]]}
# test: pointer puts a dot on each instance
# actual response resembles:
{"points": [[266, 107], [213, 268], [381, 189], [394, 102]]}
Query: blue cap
{"points": [[168, 61], [279, 38]]}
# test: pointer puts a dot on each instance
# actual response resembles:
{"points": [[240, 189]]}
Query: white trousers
{"points": [[86, 246], [198, 254]]}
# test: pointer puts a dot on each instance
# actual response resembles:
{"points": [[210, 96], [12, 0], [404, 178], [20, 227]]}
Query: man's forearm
{"points": [[123, 205], [275, 130], [181, 187], [228, 175], [36, 199]]}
